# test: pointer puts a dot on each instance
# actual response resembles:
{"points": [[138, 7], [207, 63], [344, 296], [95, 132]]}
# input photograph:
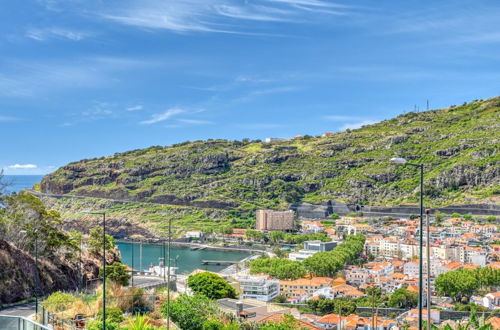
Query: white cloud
{"points": [[342, 118], [57, 33], [357, 124], [195, 121], [259, 126], [156, 118], [213, 15], [7, 118], [22, 166], [135, 108]]}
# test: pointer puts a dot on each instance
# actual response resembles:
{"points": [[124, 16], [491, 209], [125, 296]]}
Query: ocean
{"points": [[21, 182]]}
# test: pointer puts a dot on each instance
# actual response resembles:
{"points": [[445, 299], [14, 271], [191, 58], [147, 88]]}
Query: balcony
{"points": [[20, 323]]}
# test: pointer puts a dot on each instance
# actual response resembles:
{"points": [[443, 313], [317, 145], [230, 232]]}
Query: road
{"points": [[24, 310]]}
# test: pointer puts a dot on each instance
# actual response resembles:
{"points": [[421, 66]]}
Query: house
{"points": [[289, 288], [412, 316], [194, 234], [411, 269], [492, 300], [258, 287], [330, 321], [312, 227]]}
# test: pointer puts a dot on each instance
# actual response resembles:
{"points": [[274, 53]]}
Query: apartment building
{"points": [[307, 286], [258, 287], [269, 220]]}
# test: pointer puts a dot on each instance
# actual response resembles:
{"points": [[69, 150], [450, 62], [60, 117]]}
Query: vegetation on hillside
{"points": [[203, 184]]}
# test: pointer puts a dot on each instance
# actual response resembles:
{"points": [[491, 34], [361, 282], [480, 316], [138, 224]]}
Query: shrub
{"points": [[58, 302], [113, 315], [211, 285]]}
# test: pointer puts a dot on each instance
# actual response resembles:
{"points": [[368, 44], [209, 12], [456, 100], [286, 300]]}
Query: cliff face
{"points": [[459, 146], [17, 273]]}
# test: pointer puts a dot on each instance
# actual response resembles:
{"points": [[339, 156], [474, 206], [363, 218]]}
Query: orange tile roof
{"points": [[471, 266], [412, 288], [453, 265], [494, 265], [495, 322], [330, 319]]}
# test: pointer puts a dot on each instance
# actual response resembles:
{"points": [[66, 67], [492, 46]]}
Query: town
{"points": [[382, 282]]}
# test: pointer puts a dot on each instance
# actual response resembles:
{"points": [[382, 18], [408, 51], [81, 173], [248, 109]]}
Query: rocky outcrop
{"points": [[17, 273], [350, 166]]}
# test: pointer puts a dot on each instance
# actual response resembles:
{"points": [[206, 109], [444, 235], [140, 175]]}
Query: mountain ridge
{"points": [[458, 145]]}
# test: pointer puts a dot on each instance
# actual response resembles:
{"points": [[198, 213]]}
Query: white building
{"points": [[194, 234], [301, 255], [258, 287], [311, 248]]}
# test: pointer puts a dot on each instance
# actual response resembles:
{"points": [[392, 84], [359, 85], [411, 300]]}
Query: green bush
{"points": [[58, 302], [113, 315], [211, 286]]}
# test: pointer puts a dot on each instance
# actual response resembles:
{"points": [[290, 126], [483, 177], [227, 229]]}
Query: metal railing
{"points": [[8, 322]]}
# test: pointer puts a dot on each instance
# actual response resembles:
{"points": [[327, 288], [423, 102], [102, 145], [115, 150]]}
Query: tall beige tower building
{"points": [[269, 220]]}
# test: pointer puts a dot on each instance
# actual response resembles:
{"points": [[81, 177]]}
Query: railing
{"points": [[19, 323]]}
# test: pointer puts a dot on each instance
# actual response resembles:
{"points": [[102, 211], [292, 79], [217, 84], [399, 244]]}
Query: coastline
{"points": [[196, 246]]}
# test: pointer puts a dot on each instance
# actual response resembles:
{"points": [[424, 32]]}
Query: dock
{"points": [[218, 262]]}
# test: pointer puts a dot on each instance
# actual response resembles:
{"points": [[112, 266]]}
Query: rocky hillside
{"points": [[459, 145], [17, 275]]}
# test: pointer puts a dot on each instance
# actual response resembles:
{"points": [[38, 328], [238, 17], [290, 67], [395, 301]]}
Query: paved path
{"points": [[24, 310]]}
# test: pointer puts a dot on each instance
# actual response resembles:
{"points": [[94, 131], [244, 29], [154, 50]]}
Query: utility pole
{"points": [[427, 212], [168, 271], [132, 264]]}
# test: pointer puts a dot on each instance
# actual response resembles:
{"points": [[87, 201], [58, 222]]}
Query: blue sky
{"points": [[88, 78]]}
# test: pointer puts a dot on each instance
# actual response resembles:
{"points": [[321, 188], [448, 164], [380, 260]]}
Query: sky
{"points": [[89, 78]]}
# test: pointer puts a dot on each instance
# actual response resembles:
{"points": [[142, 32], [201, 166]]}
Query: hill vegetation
{"points": [[229, 180]]}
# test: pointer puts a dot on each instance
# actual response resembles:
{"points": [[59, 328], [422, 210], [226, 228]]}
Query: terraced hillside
{"points": [[459, 145]]}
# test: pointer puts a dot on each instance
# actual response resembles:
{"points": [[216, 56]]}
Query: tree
{"points": [[95, 241], [458, 284], [402, 298], [284, 269], [211, 286], [117, 273], [491, 218], [191, 312], [276, 236], [25, 212], [334, 216]]}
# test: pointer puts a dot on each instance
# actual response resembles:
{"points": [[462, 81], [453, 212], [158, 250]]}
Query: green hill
{"points": [[458, 145]]}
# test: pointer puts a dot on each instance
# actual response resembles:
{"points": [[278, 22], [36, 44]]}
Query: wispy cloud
{"points": [[135, 108], [98, 110], [259, 126], [22, 166], [159, 117], [7, 118], [214, 15], [268, 91], [342, 118], [195, 121], [357, 124], [350, 122], [43, 34], [30, 79]]}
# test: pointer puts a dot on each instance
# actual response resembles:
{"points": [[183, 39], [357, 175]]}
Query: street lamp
{"points": [[103, 264], [37, 277], [402, 161]]}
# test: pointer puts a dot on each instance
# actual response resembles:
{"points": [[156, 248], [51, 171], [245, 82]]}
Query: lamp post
{"points": [[37, 277], [402, 161], [168, 271], [103, 264]]}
